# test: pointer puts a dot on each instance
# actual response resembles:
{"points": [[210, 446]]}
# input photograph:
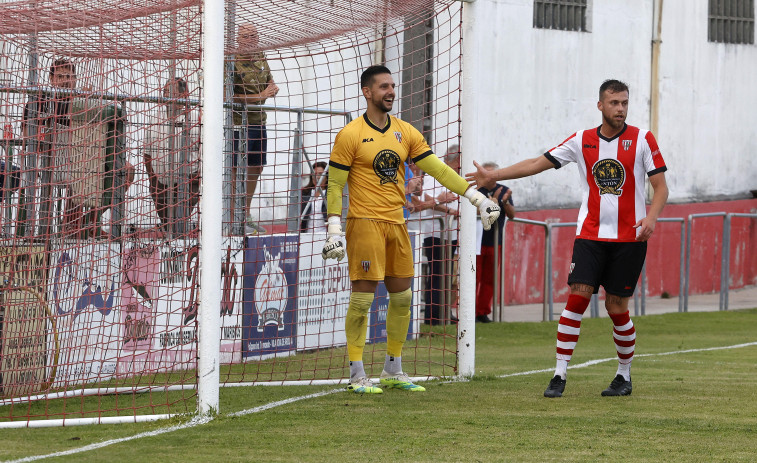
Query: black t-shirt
{"points": [[13, 178], [487, 239]]}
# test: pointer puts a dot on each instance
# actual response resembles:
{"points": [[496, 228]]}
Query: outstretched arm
{"points": [[452, 181], [488, 178], [433, 166]]}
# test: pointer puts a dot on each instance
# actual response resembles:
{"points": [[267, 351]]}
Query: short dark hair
{"points": [[311, 184], [180, 83], [613, 85], [62, 63], [366, 78]]}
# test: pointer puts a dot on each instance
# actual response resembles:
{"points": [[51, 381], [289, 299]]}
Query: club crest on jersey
{"points": [[609, 176], [398, 136], [627, 144], [385, 164], [366, 264]]}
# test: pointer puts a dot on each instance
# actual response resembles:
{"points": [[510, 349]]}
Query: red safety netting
{"points": [[101, 185]]}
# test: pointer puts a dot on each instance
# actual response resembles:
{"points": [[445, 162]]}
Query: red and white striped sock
{"points": [[624, 335], [568, 330]]}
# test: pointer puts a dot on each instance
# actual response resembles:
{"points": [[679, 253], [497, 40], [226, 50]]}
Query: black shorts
{"points": [[614, 265], [257, 146]]}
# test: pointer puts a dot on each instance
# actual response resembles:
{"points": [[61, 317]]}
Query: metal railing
{"points": [[725, 286], [234, 213], [498, 281], [725, 255], [499, 276], [689, 228], [547, 311], [639, 294], [682, 277]]}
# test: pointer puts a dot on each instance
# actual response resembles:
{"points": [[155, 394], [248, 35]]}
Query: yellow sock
{"points": [[356, 323], [397, 321]]}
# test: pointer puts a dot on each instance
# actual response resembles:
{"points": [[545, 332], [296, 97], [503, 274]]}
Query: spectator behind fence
{"points": [[68, 158], [313, 204], [172, 157], [413, 195], [47, 118], [253, 84], [418, 221], [440, 231], [13, 179], [485, 273]]}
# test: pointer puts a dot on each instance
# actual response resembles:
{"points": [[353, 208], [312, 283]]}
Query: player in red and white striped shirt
{"points": [[613, 223]]}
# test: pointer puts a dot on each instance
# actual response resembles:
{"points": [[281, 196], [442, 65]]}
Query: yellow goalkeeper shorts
{"points": [[378, 249]]}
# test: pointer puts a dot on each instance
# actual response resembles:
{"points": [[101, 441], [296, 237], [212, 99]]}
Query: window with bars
{"points": [[566, 15], [731, 21]]}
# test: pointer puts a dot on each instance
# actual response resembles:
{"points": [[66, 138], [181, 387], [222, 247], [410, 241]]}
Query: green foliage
{"points": [[695, 406]]}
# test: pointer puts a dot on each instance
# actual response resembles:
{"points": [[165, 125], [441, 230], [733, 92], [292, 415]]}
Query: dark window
{"points": [[566, 15], [731, 21]]}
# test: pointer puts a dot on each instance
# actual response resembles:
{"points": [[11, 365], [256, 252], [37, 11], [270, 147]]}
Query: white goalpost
{"points": [[208, 345], [467, 324]]}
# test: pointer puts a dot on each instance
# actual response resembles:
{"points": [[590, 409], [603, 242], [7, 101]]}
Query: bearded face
{"points": [[381, 93], [614, 108]]}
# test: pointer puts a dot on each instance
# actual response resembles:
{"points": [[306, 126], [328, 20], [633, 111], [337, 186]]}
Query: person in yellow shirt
{"points": [[369, 155]]}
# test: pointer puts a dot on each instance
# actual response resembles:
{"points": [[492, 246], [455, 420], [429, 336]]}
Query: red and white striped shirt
{"points": [[612, 179]]}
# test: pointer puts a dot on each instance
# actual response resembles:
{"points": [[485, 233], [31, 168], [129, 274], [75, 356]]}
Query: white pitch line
{"points": [[284, 402], [190, 424], [200, 421]]}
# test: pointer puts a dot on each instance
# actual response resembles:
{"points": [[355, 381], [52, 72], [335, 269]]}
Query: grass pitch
{"points": [[686, 406]]}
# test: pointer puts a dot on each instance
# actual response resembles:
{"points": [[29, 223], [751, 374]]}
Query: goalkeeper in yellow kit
{"points": [[369, 155]]}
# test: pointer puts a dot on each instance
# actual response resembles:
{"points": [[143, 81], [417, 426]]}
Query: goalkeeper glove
{"points": [[488, 209], [333, 247]]}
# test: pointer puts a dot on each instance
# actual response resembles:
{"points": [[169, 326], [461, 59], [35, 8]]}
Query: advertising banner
{"points": [[323, 296], [23, 321], [160, 299], [83, 291], [270, 282], [232, 292], [159, 302]]}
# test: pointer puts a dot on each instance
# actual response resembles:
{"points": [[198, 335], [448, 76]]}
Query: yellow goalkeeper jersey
{"points": [[375, 159]]}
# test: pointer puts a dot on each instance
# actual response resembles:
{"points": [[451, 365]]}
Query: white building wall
{"points": [[537, 87], [708, 97]]}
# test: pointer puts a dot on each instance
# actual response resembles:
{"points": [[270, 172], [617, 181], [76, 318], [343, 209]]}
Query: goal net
{"points": [[100, 169]]}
